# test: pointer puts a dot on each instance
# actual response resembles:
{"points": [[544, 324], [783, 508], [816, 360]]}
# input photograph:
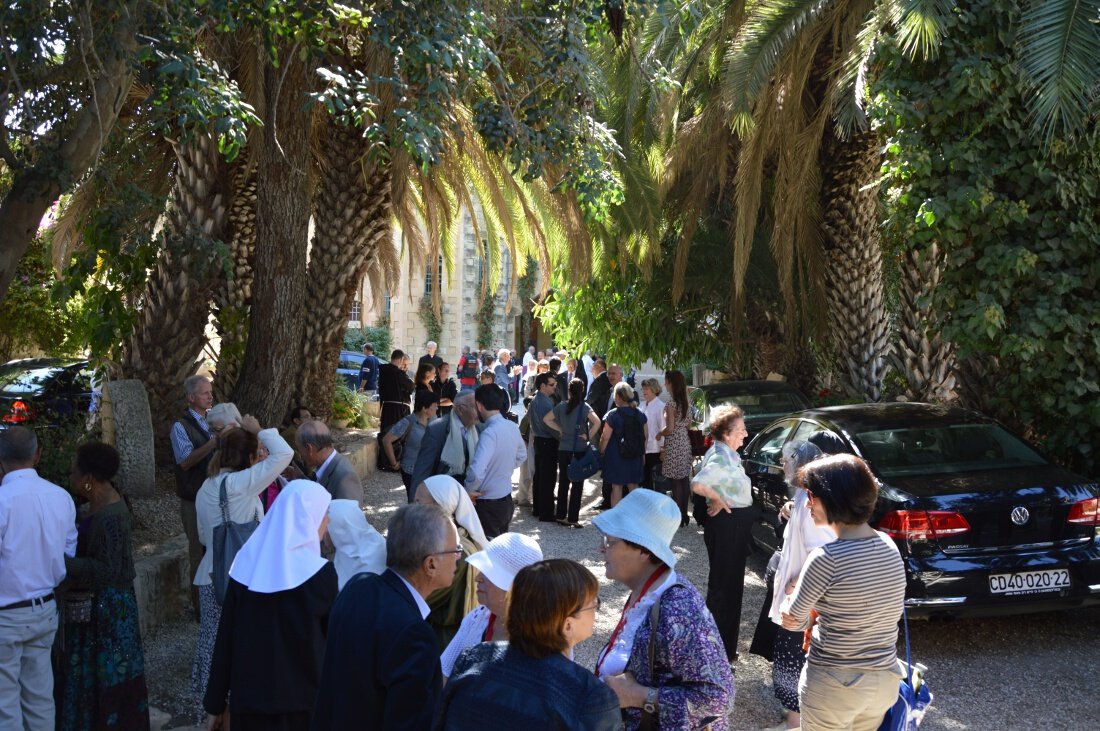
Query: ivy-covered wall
{"points": [[1020, 226]]}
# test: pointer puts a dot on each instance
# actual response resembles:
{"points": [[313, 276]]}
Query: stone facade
{"points": [[460, 294]]}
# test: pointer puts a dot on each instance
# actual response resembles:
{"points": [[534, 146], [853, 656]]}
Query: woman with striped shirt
{"points": [[856, 585]]}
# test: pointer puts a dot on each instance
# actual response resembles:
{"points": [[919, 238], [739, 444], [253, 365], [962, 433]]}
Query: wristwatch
{"points": [[650, 705]]}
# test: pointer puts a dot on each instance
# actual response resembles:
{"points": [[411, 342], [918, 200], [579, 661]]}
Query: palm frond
{"points": [[921, 25], [1060, 53]]}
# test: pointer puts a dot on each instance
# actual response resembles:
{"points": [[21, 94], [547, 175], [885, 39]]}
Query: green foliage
{"points": [[30, 320], [486, 314], [346, 404], [1018, 222], [432, 322], [524, 73], [378, 336], [59, 445]]}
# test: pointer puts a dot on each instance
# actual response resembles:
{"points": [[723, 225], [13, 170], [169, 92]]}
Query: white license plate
{"points": [[1029, 582]]}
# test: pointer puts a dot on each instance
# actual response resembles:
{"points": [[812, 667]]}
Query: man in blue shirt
{"points": [[368, 372], [500, 450]]}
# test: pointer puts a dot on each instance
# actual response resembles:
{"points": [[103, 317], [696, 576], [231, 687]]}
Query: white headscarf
{"points": [[452, 497], [359, 547], [285, 551]]}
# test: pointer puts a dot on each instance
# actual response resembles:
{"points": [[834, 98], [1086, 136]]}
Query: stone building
{"points": [[460, 295]]}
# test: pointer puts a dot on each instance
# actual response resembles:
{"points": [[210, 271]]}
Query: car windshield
{"points": [[944, 449], [763, 405], [21, 380]]}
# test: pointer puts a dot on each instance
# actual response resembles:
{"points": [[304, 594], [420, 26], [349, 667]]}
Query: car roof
{"points": [[729, 388], [33, 363], [857, 418]]}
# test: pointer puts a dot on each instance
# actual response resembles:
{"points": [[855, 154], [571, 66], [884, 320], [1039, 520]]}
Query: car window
{"points": [[349, 361], [764, 405], [697, 402], [768, 446], [945, 449], [807, 429], [26, 380]]}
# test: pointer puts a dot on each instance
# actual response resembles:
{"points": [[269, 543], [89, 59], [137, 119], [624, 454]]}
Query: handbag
{"points": [[228, 539], [913, 694], [650, 721], [698, 443], [588, 464], [658, 479], [77, 607]]}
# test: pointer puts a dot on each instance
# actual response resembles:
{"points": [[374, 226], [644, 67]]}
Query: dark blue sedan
{"points": [[986, 524]]}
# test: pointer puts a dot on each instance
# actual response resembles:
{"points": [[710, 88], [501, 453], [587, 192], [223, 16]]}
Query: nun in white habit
{"points": [[271, 638], [451, 604], [359, 547]]}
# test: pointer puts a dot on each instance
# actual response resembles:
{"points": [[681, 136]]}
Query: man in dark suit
{"points": [[600, 392], [332, 469], [381, 669], [429, 460]]}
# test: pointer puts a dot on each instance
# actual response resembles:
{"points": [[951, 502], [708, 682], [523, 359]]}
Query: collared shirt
{"points": [[37, 531], [540, 407], [500, 450], [368, 373], [422, 605], [324, 465], [181, 443]]}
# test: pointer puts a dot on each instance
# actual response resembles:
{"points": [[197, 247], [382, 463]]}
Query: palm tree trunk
{"points": [[853, 261], [352, 218], [922, 356], [167, 343], [273, 357], [233, 298]]}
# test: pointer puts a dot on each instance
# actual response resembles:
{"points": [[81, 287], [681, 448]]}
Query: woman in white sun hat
{"points": [[690, 685], [497, 565]]}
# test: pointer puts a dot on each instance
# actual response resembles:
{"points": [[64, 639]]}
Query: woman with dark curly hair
{"points": [[676, 460], [101, 681], [856, 584], [730, 514], [531, 681]]}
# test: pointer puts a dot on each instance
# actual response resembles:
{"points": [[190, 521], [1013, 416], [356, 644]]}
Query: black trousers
{"points": [[546, 476], [569, 493], [406, 480], [728, 538], [652, 459], [495, 515]]}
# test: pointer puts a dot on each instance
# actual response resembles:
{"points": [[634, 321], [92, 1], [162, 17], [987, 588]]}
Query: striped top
{"points": [[857, 587]]}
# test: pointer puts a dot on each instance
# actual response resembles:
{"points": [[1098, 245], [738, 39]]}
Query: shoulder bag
{"points": [[398, 447], [913, 695], [228, 539], [588, 464]]}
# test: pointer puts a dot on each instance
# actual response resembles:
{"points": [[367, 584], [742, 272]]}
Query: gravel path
{"points": [[1029, 672]]}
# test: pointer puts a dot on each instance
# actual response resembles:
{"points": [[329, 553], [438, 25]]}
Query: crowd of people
{"points": [[313, 619]]}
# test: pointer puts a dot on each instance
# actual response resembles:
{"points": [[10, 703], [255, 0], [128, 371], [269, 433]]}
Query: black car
{"points": [[985, 523], [43, 391], [348, 367], [762, 401]]}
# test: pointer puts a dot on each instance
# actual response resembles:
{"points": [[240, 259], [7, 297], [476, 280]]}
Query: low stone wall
{"points": [[162, 585]]}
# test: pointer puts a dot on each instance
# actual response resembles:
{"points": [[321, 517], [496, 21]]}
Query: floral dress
{"points": [[677, 460]]}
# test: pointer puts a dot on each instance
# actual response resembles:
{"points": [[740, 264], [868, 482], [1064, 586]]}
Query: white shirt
{"points": [[612, 660], [469, 634], [422, 605], [655, 422], [37, 531], [243, 490], [324, 465]]}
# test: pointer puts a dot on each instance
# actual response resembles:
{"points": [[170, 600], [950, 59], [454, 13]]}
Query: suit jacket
{"points": [[381, 670], [342, 481], [431, 449], [599, 394]]}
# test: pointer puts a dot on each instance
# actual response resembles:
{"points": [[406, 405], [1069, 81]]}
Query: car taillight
{"points": [[918, 525], [20, 413], [1086, 512]]}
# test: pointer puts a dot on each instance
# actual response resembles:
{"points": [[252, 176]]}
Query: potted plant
{"points": [[345, 407]]}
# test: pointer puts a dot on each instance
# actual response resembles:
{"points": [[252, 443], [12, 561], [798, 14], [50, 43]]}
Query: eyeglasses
{"points": [[607, 541], [594, 608], [456, 551]]}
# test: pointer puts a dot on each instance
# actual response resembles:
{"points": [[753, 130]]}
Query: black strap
{"points": [[577, 434]]}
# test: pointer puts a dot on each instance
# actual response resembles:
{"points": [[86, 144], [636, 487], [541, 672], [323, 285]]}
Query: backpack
{"points": [[467, 368], [632, 439]]}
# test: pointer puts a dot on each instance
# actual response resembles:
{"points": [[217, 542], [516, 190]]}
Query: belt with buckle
{"points": [[29, 602]]}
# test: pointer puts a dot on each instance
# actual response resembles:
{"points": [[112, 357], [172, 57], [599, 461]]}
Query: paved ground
{"points": [[1029, 672]]}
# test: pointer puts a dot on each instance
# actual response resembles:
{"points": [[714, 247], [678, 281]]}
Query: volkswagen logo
{"points": [[1020, 515]]}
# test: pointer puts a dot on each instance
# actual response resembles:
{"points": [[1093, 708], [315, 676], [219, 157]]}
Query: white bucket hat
{"points": [[645, 517], [504, 556]]}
